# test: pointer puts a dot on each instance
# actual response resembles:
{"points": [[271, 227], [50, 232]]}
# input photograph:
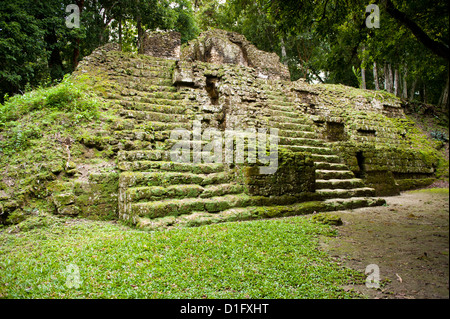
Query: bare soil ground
{"points": [[408, 239]]}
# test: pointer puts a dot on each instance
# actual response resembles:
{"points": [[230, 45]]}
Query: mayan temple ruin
{"points": [[338, 147]]}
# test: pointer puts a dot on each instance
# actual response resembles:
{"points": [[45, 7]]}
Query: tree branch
{"points": [[438, 48]]}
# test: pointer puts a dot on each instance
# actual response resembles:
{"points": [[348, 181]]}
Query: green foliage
{"points": [[439, 136], [67, 97]]}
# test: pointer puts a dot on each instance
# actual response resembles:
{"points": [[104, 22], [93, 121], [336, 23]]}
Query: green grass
{"points": [[259, 259], [443, 191]]}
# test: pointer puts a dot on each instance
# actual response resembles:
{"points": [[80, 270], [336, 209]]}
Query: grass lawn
{"points": [[276, 258]]}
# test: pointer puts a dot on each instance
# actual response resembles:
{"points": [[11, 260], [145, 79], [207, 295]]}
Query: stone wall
{"points": [[162, 44], [295, 176], [223, 47]]}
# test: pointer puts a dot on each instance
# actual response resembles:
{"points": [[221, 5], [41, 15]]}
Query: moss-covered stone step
{"points": [[300, 141], [145, 81], [325, 158], [143, 106], [331, 166], [171, 166], [150, 100], [179, 207], [333, 174], [133, 135], [277, 96], [353, 203], [346, 193], [137, 179], [156, 193], [135, 74], [309, 149], [127, 92], [284, 108], [297, 117], [157, 126], [339, 183], [297, 134], [142, 155], [255, 212], [157, 155], [290, 126], [280, 103], [146, 88], [153, 116], [291, 119]]}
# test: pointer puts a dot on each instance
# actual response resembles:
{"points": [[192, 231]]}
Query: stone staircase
{"points": [[297, 132], [150, 184], [154, 188]]}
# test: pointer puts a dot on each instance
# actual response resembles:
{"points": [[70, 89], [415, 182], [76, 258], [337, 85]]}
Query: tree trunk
{"points": [[396, 82], [443, 101], [76, 50], [391, 78], [283, 51], [424, 95], [375, 76], [120, 33], [140, 34], [55, 63], [139, 28], [405, 84], [412, 94], [363, 79]]}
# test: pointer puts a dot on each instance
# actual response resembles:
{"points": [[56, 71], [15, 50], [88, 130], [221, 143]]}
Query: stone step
{"points": [[139, 179], [156, 72], [332, 174], [346, 193], [157, 155], [154, 116], [133, 135], [331, 166], [339, 183], [148, 166], [309, 149], [144, 61], [282, 108], [146, 88], [254, 212], [325, 158], [157, 193], [163, 127], [143, 106], [297, 117], [290, 126], [157, 101], [142, 155], [300, 141], [353, 203], [138, 80], [133, 93], [178, 207], [291, 119], [297, 134]]}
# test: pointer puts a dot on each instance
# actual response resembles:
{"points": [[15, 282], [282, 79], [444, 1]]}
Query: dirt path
{"points": [[408, 240]]}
